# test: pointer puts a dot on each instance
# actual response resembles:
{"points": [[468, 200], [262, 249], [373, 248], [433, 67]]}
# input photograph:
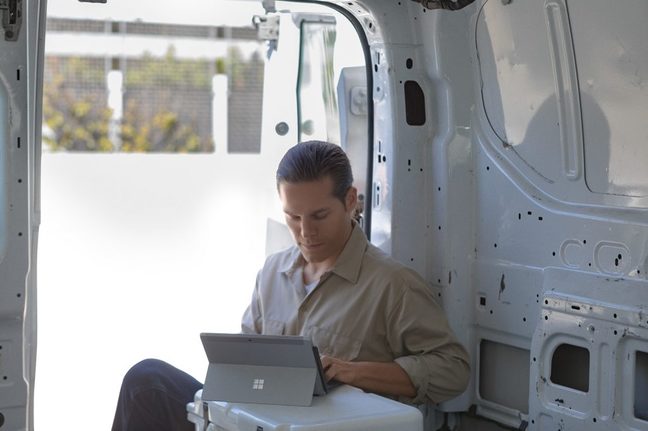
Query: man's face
{"points": [[319, 222]]}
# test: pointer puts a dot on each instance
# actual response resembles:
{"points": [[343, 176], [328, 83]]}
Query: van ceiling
{"points": [[445, 4]]}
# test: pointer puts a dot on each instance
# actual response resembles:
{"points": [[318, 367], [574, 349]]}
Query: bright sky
{"points": [[199, 12]]}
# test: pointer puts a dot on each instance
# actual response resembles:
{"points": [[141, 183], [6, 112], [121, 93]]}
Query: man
{"points": [[374, 320]]}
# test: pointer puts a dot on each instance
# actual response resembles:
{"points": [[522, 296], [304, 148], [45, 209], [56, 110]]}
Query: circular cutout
{"points": [[282, 128]]}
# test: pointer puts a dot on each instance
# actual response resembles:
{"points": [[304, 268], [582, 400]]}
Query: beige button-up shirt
{"points": [[367, 308]]}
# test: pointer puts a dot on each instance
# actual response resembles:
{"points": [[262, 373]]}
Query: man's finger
{"points": [[326, 361], [330, 372]]}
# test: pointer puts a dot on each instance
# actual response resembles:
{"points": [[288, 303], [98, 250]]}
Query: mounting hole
{"points": [[282, 128], [409, 63]]}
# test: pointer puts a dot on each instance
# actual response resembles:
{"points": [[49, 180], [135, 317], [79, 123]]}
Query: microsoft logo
{"points": [[257, 384]]}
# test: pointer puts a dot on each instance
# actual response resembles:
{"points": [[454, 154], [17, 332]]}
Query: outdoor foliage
{"points": [[167, 102], [76, 122], [161, 133]]}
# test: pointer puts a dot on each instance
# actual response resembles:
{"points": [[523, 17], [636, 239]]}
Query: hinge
{"points": [[11, 18], [267, 27], [205, 412], [269, 6]]}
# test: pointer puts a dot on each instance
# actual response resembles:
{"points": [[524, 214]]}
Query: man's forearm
{"points": [[380, 377]]}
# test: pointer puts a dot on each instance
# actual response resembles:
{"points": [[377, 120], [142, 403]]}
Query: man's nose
{"points": [[307, 228]]}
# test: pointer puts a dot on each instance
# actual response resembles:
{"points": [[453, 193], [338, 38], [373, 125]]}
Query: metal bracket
{"points": [[445, 4], [11, 18], [267, 26], [268, 29]]}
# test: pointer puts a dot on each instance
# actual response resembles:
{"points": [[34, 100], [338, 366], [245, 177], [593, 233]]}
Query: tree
{"points": [[78, 122]]}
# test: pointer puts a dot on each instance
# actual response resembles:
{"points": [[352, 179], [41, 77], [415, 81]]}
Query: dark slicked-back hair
{"points": [[313, 161]]}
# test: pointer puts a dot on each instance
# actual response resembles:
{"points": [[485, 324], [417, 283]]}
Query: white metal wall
{"points": [[522, 197], [19, 138]]}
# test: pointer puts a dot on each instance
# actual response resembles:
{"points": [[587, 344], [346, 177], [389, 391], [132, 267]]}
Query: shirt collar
{"points": [[348, 263]]}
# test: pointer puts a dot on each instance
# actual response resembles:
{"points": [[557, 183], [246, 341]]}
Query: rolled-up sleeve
{"points": [[426, 348]]}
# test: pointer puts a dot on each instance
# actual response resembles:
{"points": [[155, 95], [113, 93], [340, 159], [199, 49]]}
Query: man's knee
{"points": [[147, 373]]}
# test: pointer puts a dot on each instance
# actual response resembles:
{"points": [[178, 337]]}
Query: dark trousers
{"points": [[153, 397]]}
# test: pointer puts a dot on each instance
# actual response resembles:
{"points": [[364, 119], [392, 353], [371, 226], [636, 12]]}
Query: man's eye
{"points": [[320, 216]]}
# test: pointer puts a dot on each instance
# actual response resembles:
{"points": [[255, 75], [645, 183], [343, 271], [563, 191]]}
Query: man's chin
{"points": [[310, 256]]}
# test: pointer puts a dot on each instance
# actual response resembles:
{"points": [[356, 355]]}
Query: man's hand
{"points": [[381, 377], [336, 369]]}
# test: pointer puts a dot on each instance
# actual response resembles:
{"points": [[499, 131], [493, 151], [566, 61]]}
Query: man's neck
{"points": [[314, 270]]}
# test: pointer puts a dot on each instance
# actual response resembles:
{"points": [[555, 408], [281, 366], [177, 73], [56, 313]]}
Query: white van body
{"points": [[506, 162]]}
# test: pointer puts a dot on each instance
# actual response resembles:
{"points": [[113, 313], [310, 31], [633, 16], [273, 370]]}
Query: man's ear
{"points": [[351, 200]]}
